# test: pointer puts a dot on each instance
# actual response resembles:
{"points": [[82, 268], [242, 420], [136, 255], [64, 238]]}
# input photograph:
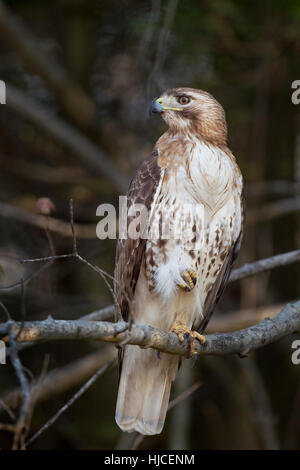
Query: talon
{"points": [[183, 332], [190, 279], [193, 352], [181, 336], [193, 275], [184, 287], [199, 337]]}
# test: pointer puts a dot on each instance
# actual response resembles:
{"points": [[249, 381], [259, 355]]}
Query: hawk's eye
{"points": [[184, 100]]}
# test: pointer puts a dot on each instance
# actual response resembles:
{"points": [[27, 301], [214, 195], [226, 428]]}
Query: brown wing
{"points": [[129, 253], [217, 290]]}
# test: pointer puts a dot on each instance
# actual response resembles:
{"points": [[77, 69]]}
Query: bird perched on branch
{"points": [[191, 181]]}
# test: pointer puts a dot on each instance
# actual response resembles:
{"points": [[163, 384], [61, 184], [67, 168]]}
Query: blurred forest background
{"points": [[80, 76]]}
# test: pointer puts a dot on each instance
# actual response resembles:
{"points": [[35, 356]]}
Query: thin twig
{"points": [[75, 397], [72, 226], [60, 380], [20, 427], [7, 409]]}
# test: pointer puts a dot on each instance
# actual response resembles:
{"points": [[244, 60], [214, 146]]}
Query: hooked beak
{"points": [[156, 107]]}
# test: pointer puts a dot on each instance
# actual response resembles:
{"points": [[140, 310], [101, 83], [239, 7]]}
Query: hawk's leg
{"points": [[189, 279], [183, 332]]}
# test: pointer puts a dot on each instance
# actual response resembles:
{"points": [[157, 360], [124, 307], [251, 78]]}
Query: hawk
{"points": [[174, 283]]}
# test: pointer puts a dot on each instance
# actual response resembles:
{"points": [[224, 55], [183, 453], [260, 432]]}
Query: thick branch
{"points": [[238, 342]]}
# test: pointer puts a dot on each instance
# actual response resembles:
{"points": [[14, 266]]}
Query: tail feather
{"points": [[144, 390]]}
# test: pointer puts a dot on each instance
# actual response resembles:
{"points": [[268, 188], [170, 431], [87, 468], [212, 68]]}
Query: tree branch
{"points": [[264, 265], [84, 231], [273, 210], [238, 342]]}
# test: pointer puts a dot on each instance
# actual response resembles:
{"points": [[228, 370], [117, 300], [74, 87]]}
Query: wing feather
{"points": [[215, 294], [217, 289], [130, 252]]}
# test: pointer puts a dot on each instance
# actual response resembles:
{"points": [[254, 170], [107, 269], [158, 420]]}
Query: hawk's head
{"points": [[194, 111]]}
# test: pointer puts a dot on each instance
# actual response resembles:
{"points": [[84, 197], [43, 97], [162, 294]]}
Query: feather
{"points": [[144, 390]]}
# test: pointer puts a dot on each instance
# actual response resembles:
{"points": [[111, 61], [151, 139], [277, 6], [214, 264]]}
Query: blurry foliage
{"points": [[247, 55]]}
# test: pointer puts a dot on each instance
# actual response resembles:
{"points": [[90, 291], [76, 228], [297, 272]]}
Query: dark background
{"points": [[93, 66]]}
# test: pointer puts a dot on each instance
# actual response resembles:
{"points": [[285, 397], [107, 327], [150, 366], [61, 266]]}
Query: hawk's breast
{"points": [[207, 181]]}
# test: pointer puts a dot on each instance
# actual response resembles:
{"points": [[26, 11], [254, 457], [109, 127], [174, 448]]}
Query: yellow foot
{"points": [[189, 278], [182, 331]]}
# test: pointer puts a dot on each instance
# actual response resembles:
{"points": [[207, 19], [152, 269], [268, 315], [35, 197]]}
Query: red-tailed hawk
{"points": [[174, 283]]}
